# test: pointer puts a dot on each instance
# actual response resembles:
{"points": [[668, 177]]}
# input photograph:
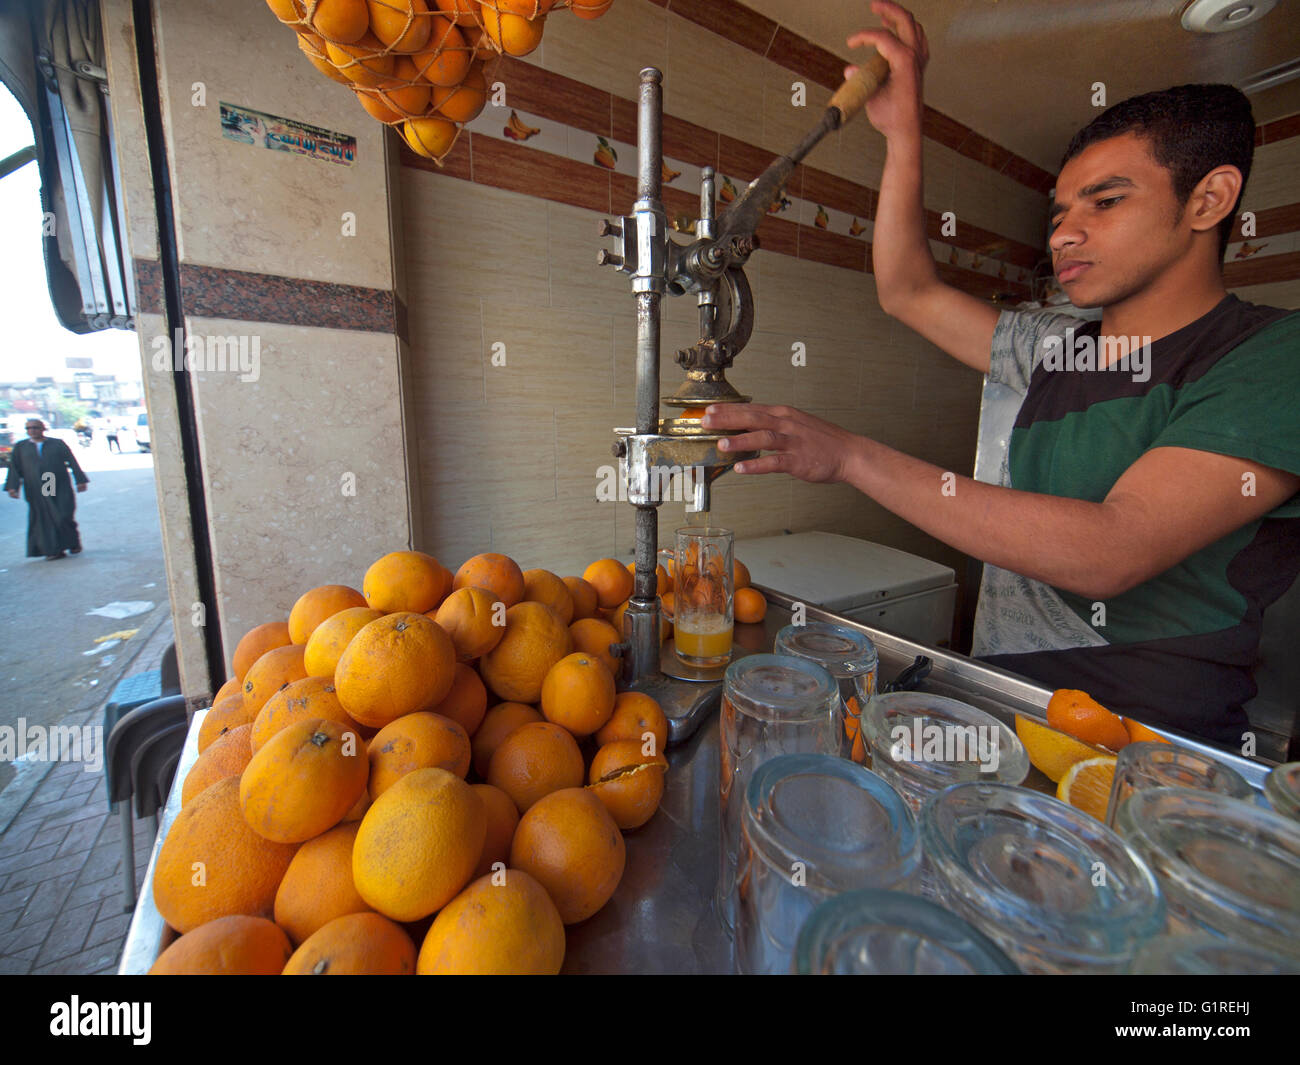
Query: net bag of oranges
{"points": [[420, 65]]}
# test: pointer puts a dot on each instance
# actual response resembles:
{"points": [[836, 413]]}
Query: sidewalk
{"points": [[61, 897]]}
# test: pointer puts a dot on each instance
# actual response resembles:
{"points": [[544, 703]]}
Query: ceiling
{"points": [[1021, 71]]}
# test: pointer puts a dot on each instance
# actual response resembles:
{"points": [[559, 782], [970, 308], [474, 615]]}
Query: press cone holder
{"points": [[677, 455]]}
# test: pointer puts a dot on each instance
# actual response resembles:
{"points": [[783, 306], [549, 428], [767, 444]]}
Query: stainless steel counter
{"points": [[661, 918]]}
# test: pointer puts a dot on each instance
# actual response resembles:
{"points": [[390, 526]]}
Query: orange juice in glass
{"points": [[703, 592]]}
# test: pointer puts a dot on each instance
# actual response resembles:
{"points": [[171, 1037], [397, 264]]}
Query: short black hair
{"points": [[1191, 129]]}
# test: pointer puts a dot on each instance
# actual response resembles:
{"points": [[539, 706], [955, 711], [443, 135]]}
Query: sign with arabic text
{"points": [[286, 135]]}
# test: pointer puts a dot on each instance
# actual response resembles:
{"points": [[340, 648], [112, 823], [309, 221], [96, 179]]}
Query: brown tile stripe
{"points": [[211, 292], [1262, 270], [531, 88], [518, 168], [1274, 220], [759, 34], [1278, 130]]}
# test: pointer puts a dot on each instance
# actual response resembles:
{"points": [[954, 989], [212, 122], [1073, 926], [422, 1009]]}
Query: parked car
{"points": [[142, 432], [6, 447]]}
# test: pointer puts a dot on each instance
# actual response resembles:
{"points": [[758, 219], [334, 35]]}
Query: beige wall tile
{"points": [[246, 208], [786, 123], [128, 128], [1275, 294], [565, 537], [713, 82], [454, 533], [555, 358], [576, 281], [449, 356], [1272, 181], [862, 154], [608, 52]]}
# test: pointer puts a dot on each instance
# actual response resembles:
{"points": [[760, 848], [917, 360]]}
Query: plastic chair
{"points": [[127, 737], [162, 781], [129, 693], [170, 676], [147, 760]]}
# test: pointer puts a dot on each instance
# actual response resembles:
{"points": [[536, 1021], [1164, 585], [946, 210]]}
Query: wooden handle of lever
{"points": [[852, 96]]}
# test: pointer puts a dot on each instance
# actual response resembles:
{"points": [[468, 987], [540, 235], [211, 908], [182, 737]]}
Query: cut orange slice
{"points": [[1052, 753], [1086, 786]]}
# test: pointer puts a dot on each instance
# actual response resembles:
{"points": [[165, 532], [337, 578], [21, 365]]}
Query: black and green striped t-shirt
{"points": [[1178, 649]]}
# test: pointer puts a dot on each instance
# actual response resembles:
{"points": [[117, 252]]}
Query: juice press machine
{"points": [[712, 268]]}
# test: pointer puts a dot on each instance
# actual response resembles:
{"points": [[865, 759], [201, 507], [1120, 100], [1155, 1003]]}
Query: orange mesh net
{"points": [[421, 65]]}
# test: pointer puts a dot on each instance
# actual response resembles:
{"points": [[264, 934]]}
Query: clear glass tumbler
{"points": [[1166, 765], [813, 826], [704, 584], [921, 743], [889, 933], [851, 658], [1051, 885], [1208, 955], [1227, 866], [771, 705], [1282, 790]]}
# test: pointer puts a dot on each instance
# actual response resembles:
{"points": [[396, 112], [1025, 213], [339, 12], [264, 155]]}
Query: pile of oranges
{"points": [[437, 759], [418, 65]]}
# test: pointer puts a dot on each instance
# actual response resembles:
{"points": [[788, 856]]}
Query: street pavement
{"points": [[69, 631]]}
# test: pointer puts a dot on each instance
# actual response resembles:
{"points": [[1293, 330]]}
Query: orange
{"points": [[513, 34], [1139, 733], [311, 697], [628, 782], [317, 605], [463, 12], [585, 599], [543, 586], [226, 756], [636, 717], [343, 21], [231, 687], [466, 703], [533, 641], [404, 581], [407, 96], [1077, 714], [1086, 786], [358, 944], [616, 620], [570, 844], [498, 574], [590, 9], [363, 63], [533, 761], [321, 655], [416, 741], [419, 844], [303, 780], [224, 717], [496, 929], [749, 605], [211, 864], [289, 11], [663, 582], [396, 665], [667, 605], [740, 573], [359, 808], [446, 59], [497, 724], [578, 694], [1051, 752], [276, 669], [526, 8], [463, 102], [853, 731], [256, 642], [612, 581], [402, 25], [594, 636], [469, 615], [478, 40], [502, 819], [229, 946], [317, 887], [317, 57]]}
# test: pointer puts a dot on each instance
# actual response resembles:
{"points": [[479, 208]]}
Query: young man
{"points": [[1144, 518], [40, 465]]}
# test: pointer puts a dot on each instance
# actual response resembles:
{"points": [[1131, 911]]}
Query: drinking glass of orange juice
{"points": [[703, 590]]}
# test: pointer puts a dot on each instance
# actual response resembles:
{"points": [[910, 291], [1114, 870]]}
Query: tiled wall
{"points": [[1266, 268], [510, 455]]}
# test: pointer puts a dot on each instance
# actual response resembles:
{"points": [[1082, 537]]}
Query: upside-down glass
{"points": [[703, 591], [851, 658], [1227, 866], [813, 826], [921, 743], [1166, 765], [771, 705], [888, 933], [1282, 790], [1054, 887]]}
